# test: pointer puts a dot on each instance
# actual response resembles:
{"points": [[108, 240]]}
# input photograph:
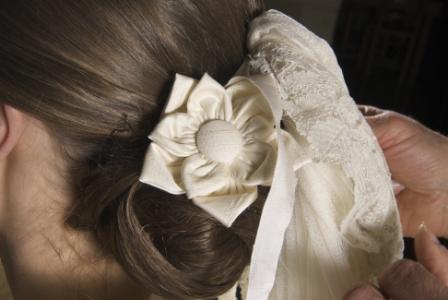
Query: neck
{"points": [[46, 260], [43, 258]]}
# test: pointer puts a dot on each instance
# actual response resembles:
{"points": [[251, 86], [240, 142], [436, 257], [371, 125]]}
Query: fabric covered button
{"points": [[219, 140], [215, 143]]}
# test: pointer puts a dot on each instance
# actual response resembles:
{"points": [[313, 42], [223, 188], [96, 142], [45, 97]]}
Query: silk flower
{"points": [[214, 143]]}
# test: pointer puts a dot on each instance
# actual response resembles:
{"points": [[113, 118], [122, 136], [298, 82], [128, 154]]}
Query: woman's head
{"points": [[97, 74]]}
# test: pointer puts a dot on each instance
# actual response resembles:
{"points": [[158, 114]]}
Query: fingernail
{"points": [[398, 188], [422, 229]]}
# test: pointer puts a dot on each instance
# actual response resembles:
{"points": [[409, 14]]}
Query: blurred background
{"points": [[394, 53]]}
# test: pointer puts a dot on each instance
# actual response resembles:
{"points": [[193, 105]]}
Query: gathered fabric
{"points": [[216, 144]]}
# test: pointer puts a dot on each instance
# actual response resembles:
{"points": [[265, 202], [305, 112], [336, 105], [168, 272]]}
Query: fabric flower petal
{"points": [[247, 101], [202, 176], [255, 164], [211, 100], [180, 92], [176, 134], [227, 208], [258, 128], [162, 170], [202, 121]]}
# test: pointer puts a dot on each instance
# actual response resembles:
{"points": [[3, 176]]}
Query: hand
{"points": [[406, 279], [418, 160]]}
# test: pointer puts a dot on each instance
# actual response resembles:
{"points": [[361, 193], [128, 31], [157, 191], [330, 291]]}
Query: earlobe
{"points": [[12, 123]]}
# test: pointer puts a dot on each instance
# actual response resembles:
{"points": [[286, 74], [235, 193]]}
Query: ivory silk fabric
{"points": [[345, 227]]}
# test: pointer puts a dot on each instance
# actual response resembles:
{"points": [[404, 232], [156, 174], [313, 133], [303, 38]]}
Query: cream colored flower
{"points": [[214, 143]]}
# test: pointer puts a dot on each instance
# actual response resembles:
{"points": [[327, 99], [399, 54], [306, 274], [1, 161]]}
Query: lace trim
{"points": [[315, 97]]}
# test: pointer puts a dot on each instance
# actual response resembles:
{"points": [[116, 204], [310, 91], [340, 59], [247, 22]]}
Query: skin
{"points": [[418, 160], [43, 259]]}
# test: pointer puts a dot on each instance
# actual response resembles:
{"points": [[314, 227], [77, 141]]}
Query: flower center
{"points": [[219, 141]]}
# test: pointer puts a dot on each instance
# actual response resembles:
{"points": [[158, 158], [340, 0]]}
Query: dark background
{"points": [[394, 53]]}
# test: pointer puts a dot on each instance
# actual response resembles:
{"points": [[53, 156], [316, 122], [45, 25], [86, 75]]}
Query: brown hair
{"points": [[97, 73]]}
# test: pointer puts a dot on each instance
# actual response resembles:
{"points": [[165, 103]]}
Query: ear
{"points": [[12, 124]]}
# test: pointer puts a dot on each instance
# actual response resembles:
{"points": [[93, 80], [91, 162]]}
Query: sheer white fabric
{"points": [[345, 227]]}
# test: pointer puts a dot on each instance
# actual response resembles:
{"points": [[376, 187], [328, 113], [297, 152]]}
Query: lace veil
{"points": [[345, 227]]}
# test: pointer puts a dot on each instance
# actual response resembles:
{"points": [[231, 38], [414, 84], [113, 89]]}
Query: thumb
{"points": [[390, 128], [431, 254]]}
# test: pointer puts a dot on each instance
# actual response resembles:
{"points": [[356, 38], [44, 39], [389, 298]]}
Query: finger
{"points": [[393, 129], [431, 254], [410, 280], [364, 292], [386, 126], [398, 187], [369, 111], [416, 208]]}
